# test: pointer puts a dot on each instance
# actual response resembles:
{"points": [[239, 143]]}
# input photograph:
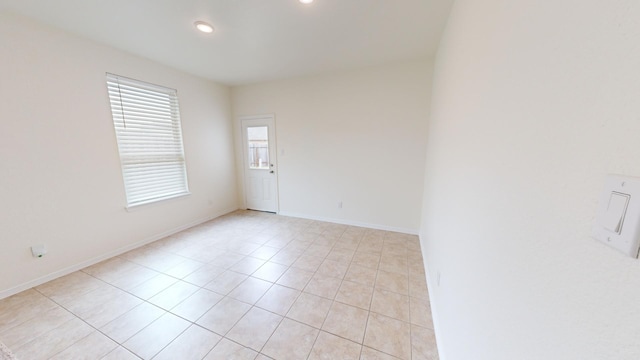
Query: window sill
{"points": [[138, 206]]}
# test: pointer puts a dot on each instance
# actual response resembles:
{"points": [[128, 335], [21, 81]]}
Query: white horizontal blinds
{"points": [[147, 123]]}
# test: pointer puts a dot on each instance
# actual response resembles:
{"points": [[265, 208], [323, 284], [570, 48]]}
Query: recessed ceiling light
{"points": [[203, 26], [306, 1]]}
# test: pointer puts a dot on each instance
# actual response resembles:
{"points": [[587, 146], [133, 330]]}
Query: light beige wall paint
{"points": [[534, 103], [61, 181], [357, 137]]}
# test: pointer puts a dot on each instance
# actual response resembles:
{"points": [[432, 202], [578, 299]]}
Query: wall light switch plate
{"points": [[618, 217]]}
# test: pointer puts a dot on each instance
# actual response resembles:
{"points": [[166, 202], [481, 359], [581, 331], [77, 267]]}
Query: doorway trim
{"points": [[273, 155]]}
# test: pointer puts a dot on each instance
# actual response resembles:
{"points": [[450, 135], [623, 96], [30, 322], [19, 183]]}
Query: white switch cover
{"points": [[616, 209], [618, 218]]}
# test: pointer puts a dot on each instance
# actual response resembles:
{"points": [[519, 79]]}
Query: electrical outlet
{"points": [[339, 204], [38, 250]]}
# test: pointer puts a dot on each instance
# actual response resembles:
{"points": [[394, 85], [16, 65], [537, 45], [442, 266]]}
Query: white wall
{"points": [[61, 181], [358, 137], [534, 102]]}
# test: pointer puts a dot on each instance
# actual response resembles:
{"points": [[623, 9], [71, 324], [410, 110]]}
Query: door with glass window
{"points": [[260, 167]]}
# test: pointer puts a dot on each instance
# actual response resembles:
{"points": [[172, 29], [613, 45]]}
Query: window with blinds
{"points": [[146, 118]]}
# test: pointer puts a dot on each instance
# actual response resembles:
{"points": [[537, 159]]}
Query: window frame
{"points": [[151, 148]]}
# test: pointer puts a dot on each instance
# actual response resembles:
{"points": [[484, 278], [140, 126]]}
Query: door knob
{"points": [[271, 171]]}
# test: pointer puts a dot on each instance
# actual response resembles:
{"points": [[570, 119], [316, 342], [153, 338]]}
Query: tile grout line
{"points": [[79, 318], [295, 244]]}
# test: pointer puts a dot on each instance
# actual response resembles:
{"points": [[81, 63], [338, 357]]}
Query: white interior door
{"points": [[260, 166]]}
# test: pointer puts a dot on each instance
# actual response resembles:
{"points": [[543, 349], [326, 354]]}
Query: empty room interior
{"points": [[324, 179]]}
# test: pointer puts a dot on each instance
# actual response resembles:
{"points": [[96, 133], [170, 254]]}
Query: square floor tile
{"points": [[277, 242], [128, 324], [347, 242], [295, 278], [371, 354], [94, 346], [255, 328], [270, 271], [355, 294], [229, 350], [204, 275], [184, 269], [331, 268], [329, 346], [197, 304], [195, 252], [194, 343], [54, 341], [134, 278], [153, 286], [367, 246], [157, 260], [301, 289], [102, 305], [421, 312], [390, 304], [224, 315], [308, 263], [394, 263], [23, 306], [31, 329], [243, 247], [285, 257], [393, 282], [120, 353], [265, 252], [366, 259], [416, 269], [250, 290], [224, 259], [69, 287], [173, 295], [388, 335], [418, 287], [361, 275], [326, 287], [292, 340], [346, 321], [247, 266], [226, 282], [319, 251], [110, 269], [341, 255], [150, 340], [310, 309], [278, 299], [423, 344]]}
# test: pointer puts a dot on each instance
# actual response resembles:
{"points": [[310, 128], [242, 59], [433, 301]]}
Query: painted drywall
{"points": [[534, 102], [354, 137], [61, 181]]}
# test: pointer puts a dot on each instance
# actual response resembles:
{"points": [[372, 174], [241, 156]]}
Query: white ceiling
{"points": [[255, 40]]}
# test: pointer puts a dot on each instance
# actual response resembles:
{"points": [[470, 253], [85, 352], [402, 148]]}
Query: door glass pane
{"points": [[258, 139]]}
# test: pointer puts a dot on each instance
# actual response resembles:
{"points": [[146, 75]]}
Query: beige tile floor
{"points": [[248, 285]]}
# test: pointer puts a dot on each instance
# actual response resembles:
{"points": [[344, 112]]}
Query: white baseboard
{"points": [[352, 223], [68, 270], [434, 311]]}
